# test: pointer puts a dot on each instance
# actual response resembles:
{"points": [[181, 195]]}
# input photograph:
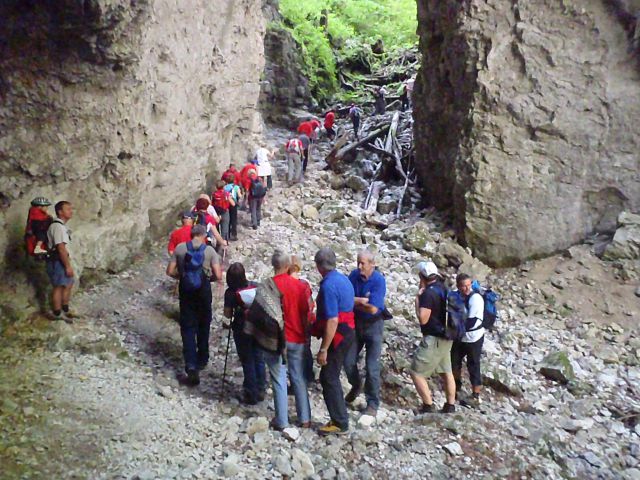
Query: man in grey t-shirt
{"points": [[195, 303], [59, 266]]}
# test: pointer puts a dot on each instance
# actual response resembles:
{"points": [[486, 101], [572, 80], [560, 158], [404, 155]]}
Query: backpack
{"points": [[193, 272], [220, 201], [244, 299], [264, 320], [258, 190], [38, 224], [490, 314], [455, 325], [294, 146]]}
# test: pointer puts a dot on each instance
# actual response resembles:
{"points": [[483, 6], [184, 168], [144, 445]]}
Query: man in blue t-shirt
{"points": [[334, 324], [370, 289]]}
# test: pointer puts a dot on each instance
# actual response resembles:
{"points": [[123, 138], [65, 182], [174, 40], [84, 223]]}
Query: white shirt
{"points": [[264, 167], [476, 310]]}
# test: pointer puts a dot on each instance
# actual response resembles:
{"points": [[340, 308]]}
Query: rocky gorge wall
{"points": [[526, 120], [127, 108]]}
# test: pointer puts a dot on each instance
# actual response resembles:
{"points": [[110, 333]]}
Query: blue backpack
{"points": [[192, 276], [491, 313]]}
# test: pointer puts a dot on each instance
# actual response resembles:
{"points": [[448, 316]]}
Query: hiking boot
{"points": [[247, 399], [275, 426], [193, 378], [448, 408], [424, 408], [67, 319], [471, 401], [261, 395], [70, 314], [370, 410], [201, 366], [332, 429], [305, 425], [353, 394]]}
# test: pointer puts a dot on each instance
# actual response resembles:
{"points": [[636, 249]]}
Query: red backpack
{"points": [[220, 201], [38, 223]]}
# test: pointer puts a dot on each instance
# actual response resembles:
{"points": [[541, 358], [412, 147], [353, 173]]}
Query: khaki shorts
{"points": [[433, 355]]}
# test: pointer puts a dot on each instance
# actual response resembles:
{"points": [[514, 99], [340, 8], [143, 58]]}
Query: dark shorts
{"points": [[57, 275]]}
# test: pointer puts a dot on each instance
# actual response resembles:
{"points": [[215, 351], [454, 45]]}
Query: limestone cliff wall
{"points": [[526, 120], [127, 108]]}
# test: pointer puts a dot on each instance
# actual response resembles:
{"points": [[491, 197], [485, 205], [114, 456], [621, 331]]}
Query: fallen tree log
{"points": [[337, 154], [372, 203]]}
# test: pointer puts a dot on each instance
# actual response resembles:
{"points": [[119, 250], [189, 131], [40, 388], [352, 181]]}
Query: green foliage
{"points": [[331, 32]]}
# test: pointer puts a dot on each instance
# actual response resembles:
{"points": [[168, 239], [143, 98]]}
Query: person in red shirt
{"points": [[233, 172], [305, 128], [245, 181], [295, 308], [294, 271], [202, 217], [329, 120], [182, 234]]}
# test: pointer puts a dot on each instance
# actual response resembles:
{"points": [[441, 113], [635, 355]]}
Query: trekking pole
{"points": [[226, 356]]}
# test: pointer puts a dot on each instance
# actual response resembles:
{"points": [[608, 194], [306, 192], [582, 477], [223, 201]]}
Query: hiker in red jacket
{"points": [[233, 172], [329, 120], [245, 181]]}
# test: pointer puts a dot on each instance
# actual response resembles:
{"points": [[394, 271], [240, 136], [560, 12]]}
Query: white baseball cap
{"points": [[426, 269]]}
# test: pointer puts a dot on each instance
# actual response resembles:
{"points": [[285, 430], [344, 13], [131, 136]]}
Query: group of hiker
{"points": [[272, 321]]}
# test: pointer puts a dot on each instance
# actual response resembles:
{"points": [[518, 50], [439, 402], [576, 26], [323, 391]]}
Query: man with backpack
{"points": [[335, 325], [195, 264], [470, 345], [354, 115], [370, 289], [294, 152], [59, 266], [433, 355], [235, 192], [222, 202], [257, 192]]}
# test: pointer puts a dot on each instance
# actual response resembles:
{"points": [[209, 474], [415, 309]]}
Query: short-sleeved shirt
{"points": [[305, 141], [434, 298], [264, 167], [374, 288], [475, 307], [336, 295], [178, 236], [58, 233], [295, 306], [210, 256]]}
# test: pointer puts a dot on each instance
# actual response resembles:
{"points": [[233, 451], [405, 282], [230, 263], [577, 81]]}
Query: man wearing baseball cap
{"points": [[433, 355], [182, 234]]}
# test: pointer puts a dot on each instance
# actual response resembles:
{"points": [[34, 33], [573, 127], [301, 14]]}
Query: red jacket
{"points": [[314, 124], [305, 128], [295, 307], [234, 172], [329, 119], [245, 181]]}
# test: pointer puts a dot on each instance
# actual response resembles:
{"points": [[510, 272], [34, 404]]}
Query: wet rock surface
{"points": [[103, 398]]}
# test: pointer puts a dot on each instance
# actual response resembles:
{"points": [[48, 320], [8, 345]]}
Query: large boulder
{"points": [[626, 241], [527, 132], [557, 366], [419, 238]]}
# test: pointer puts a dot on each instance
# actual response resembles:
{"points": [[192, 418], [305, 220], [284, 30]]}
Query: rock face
{"points": [[284, 87], [125, 108], [626, 241], [525, 120]]}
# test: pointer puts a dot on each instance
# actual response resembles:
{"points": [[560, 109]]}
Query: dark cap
{"points": [[188, 214]]}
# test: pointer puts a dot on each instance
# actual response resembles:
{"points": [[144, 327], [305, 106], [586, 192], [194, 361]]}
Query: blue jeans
{"points": [[195, 323], [278, 374], [252, 362], [369, 335], [296, 365]]}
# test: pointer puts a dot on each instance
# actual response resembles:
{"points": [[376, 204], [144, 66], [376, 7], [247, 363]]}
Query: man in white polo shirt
{"points": [[470, 347]]}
